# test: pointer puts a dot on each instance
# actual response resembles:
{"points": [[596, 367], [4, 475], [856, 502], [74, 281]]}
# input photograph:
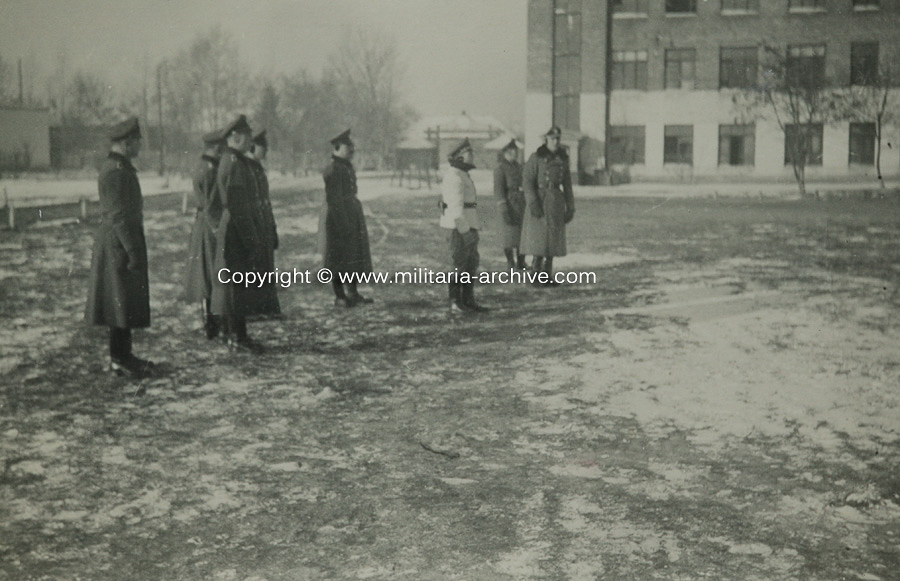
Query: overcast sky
{"points": [[458, 54]]}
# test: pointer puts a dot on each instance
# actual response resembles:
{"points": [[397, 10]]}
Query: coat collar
{"points": [[121, 159], [341, 161], [545, 153]]}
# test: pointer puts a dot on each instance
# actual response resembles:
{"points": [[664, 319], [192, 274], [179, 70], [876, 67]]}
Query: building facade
{"points": [[657, 88]]}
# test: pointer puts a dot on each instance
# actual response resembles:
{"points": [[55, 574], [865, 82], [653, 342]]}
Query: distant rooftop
{"points": [[458, 126]]}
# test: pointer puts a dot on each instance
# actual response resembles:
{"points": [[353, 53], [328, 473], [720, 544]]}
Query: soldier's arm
{"points": [[335, 184], [529, 185], [125, 225], [568, 194]]}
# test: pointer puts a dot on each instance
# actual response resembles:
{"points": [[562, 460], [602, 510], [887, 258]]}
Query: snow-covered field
{"points": [[721, 404]]}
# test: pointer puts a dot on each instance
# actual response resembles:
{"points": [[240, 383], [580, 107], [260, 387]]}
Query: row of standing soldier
{"points": [[234, 229]]}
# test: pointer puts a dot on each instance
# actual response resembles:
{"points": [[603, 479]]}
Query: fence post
{"points": [[12, 216], [184, 203], [83, 207]]}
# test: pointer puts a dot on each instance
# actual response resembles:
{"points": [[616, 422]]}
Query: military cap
{"points": [[554, 132], [511, 145], [238, 124], [259, 138], [125, 129], [342, 138], [459, 149], [213, 137]]}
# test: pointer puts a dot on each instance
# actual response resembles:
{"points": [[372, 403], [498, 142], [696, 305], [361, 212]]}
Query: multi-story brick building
{"points": [[669, 71]]}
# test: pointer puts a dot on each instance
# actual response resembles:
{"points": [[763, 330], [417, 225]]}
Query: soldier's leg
{"points": [[548, 267], [520, 260], [510, 260], [119, 344], [472, 260], [537, 267], [355, 296], [340, 297], [457, 254]]}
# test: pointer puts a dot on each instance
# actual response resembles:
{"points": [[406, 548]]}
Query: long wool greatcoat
{"points": [[548, 185], [343, 236], [119, 296], [240, 239], [202, 248], [268, 294], [508, 191]]}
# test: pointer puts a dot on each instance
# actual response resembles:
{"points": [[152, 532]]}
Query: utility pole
{"points": [[162, 140], [21, 86]]}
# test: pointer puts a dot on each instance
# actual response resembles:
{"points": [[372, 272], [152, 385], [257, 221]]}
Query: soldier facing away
{"points": [[268, 298], [342, 226], [549, 204], [459, 215], [202, 248], [511, 203], [119, 288]]}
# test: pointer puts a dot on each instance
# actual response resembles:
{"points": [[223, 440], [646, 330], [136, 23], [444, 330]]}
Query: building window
{"points": [[680, 68], [737, 144], [626, 144], [863, 63], [629, 70], [681, 6], [806, 5], [629, 6], [567, 64], [862, 143], [737, 67], [806, 66], [863, 5], [740, 6], [800, 139], [678, 146]]}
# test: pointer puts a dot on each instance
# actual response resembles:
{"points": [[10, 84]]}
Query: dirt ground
{"points": [[722, 404]]}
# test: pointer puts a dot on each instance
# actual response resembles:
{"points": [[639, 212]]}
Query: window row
{"points": [[739, 67], [734, 6], [737, 144]]}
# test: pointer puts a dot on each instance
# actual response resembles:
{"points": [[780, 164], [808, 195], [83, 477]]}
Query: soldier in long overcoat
{"points": [[118, 287], [202, 248], [510, 203], [342, 226], [549, 203], [459, 215], [240, 239], [268, 293]]}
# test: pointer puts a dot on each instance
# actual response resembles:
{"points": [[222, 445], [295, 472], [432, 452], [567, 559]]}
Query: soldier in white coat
{"points": [[460, 216]]}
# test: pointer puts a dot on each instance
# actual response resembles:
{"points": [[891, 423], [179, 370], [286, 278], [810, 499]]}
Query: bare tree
{"points": [[875, 100], [206, 82], [367, 74], [796, 92], [90, 101]]}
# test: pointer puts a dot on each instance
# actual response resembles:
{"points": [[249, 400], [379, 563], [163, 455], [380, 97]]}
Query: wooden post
{"points": [[184, 203], [83, 208], [12, 216]]}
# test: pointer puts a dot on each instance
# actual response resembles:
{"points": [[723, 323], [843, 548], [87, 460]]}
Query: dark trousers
{"points": [[235, 325], [464, 252], [338, 288], [119, 343]]}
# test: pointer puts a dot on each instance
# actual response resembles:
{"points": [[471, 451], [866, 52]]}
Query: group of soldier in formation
{"points": [[235, 229]]}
